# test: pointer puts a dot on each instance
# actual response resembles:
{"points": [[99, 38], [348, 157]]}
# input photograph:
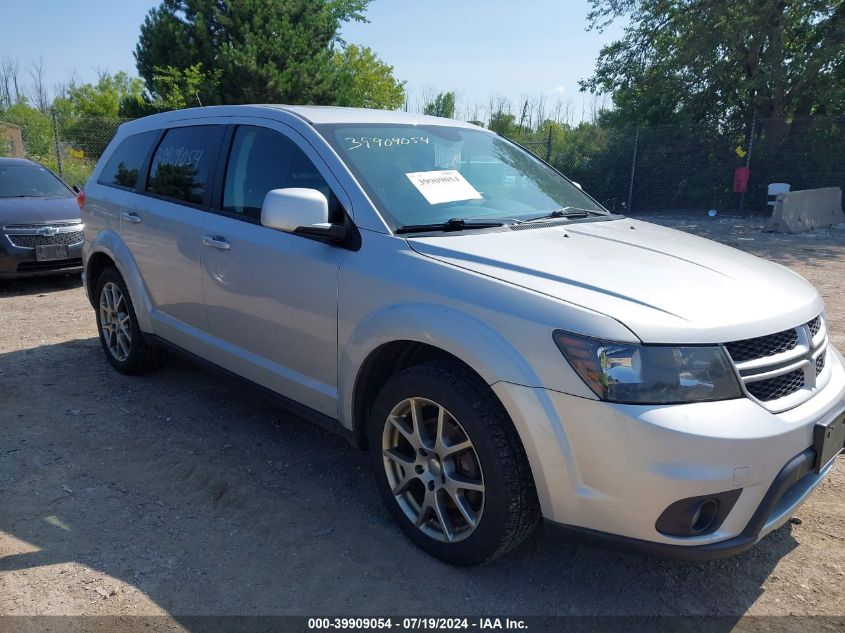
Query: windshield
{"points": [[426, 174], [31, 181]]}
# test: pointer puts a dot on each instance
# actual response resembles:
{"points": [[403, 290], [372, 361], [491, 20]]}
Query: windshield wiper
{"points": [[566, 212], [454, 224]]}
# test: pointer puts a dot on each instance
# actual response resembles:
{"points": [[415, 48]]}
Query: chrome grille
{"points": [[776, 388], [31, 241], [762, 346], [820, 363], [17, 227], [784, 369]]}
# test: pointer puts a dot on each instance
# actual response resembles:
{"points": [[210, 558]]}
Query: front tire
{"points": [[449, 464], [121, 337]]}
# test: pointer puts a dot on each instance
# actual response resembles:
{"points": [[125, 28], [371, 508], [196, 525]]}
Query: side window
{"points": [[125, 163], [183, 163], [260, 160]]}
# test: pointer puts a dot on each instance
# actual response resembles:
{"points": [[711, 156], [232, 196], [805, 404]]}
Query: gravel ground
{"points": [[181, 493]]}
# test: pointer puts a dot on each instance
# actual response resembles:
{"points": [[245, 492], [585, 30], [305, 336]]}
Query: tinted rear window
{"points": [[184, 161], [123, 167]]}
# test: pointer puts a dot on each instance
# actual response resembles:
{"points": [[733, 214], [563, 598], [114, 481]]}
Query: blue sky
{"points": [[475, 47]]}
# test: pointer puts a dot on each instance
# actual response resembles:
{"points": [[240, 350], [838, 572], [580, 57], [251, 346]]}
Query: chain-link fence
{"points": [[677, 168], [70, 146], [628, 169]]}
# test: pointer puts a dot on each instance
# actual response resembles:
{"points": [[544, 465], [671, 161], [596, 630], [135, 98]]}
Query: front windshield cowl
{"points": [[429, 175]]}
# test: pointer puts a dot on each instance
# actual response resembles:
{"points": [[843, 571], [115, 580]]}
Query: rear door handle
{"points": [[215, 241], [131, 216]]}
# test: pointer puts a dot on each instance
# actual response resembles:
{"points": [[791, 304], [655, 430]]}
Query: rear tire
{"points": [[449, 464], [121, 337]]}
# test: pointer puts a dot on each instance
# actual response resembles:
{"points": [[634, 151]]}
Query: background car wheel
{"points": [[449, 464], [120, 336]]}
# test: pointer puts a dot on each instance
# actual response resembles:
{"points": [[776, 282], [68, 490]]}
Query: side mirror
{"points": [[301, 211]]}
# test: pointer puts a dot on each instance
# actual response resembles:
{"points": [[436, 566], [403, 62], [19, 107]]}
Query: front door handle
{"points": [[215, 241], [131, 216]]}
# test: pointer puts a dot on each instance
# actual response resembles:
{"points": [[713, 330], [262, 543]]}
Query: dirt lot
{"points": [[180, 493]]}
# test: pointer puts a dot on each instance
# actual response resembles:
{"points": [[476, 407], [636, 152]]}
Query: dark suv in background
{"points": [[40, 225]]}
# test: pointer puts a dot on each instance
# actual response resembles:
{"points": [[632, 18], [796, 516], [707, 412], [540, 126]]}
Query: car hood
{"points": [[666, 286], [37, 210]]}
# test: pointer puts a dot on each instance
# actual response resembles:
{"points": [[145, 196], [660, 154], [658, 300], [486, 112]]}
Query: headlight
{"points": [[650, 374]]}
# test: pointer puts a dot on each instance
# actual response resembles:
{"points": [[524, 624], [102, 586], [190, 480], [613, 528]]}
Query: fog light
{"points": [[696, 516], [704, 515]]}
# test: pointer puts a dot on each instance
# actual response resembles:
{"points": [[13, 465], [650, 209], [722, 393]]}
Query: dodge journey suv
{"points": [[504, 347]]}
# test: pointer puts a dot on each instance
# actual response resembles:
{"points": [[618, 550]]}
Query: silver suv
{"points": [[504, 347]]}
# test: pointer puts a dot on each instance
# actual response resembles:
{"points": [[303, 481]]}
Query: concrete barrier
{"points": [[799, 211], [773, 190]]}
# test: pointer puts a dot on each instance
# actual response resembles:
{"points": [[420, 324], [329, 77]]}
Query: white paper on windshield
{"points": [[446, 185]]}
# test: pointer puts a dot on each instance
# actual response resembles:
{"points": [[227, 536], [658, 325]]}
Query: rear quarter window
{"points": [[124, 165], [184, 162]]}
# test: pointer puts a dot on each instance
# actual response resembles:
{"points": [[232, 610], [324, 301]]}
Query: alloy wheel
{"points": [[433, 469], [115, 321]]}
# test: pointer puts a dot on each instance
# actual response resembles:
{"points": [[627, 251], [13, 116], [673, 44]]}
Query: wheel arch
{"points": [[97, 263], [108, 249], [383, 362], [402, 336]]}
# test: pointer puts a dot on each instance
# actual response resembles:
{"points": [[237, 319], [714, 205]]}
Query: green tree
{"points": [[36, 128], [109, 97], [176, 88], [247, 51], [88, 113], [718, 61], [443, 105], [503, 123], [365, 81]]}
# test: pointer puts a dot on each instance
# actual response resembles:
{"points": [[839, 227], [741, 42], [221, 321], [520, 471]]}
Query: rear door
{"points": [[118, 177], [161, 223], [271, 297]]}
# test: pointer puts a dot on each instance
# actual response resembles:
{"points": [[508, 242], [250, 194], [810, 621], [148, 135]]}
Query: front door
{"points": [[271, 297]]}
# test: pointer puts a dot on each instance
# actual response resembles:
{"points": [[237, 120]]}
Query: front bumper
{"points": [[788, 491], [16, 262], [607, 472]]}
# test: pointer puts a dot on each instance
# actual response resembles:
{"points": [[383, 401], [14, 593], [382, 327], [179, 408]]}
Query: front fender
{"points": [[109, 243], [462, 335]]}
